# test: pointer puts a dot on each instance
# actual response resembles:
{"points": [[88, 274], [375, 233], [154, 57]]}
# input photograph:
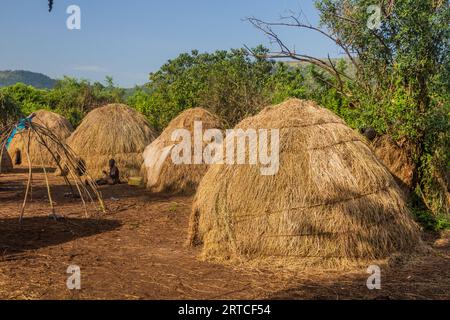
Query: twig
{"points": [[27, 150]]}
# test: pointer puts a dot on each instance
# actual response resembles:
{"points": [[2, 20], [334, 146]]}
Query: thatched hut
{"points": [[6, 163], [39, 154], [331, 204], [113, 131], [161, 174]]}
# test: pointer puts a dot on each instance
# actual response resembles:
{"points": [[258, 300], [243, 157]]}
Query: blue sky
{"points": [[128, 39]]}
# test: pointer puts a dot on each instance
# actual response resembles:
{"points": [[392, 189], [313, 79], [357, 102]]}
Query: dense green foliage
{"points": [[9, 110], [402, 82], [232, 84], [70, 97]]}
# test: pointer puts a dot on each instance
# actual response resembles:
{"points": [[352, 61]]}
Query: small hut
{"points": [[114, 131], [161, 174], [38, 153], [331, 204]]}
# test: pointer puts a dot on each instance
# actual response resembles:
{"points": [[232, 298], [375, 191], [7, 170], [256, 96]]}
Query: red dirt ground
{"points": [[137, 251]]}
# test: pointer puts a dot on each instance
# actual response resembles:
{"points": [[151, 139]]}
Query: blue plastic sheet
{"points": [[21, 125]]}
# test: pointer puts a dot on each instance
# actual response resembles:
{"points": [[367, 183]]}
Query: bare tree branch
{"points": [[295, 22], [286, 52]]}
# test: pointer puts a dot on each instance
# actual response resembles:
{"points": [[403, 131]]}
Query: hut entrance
{"points": [[17, 157]]}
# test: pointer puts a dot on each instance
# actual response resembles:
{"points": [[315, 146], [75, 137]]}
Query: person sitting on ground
{"points": [[113, 177]]}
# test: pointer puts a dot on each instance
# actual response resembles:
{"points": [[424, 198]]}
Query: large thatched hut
{"points": [[38, 153], [161, 174], [114, 131], [331, 203]]}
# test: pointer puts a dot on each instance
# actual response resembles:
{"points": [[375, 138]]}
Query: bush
{"points": [[70, 97], [9, 110]]}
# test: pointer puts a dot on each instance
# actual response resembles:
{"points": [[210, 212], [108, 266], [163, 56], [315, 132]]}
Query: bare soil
{"points": [[137, 251]]}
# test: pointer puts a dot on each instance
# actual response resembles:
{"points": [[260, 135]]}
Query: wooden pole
{"points": [[47, 184], [27, 151]]}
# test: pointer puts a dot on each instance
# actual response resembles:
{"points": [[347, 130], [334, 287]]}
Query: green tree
{"points": [[400, 82], [232, 84], [9, 111], [27, 98], [70, 97]]}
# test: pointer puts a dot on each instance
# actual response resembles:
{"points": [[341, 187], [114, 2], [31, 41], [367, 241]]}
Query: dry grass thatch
{"points": [[113, 131], [396, 159], [39, 154], [160, 172], [6, 163], [331, 204]]}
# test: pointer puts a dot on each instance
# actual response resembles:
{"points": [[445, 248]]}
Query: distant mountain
{"points": [[37, 80]]}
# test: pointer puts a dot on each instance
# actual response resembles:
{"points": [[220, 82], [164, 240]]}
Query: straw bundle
{"points": [[397, 158], [114, 131], [159, 170], [330, 204]]}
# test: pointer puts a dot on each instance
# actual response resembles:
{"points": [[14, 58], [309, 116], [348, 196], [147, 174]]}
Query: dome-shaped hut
{"points": [[161, 174], [330, 203], [114, 131]]}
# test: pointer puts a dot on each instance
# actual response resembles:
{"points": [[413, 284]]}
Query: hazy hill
{"points": [[37, 80]]}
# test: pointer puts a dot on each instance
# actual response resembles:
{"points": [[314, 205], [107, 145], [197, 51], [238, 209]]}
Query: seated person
{"points": [[113, 177]]}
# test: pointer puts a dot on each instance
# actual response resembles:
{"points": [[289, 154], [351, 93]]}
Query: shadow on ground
{"points": [[40, 232]]}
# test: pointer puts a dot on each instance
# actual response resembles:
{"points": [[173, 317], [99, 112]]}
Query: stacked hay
{"points": [[6, 163], [331, 204], [39, 154], [114, 131], [397, 159], [161, 174]]}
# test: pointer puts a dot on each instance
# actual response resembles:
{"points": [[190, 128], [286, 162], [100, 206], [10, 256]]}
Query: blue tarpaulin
{"points": [[21, 125]]}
